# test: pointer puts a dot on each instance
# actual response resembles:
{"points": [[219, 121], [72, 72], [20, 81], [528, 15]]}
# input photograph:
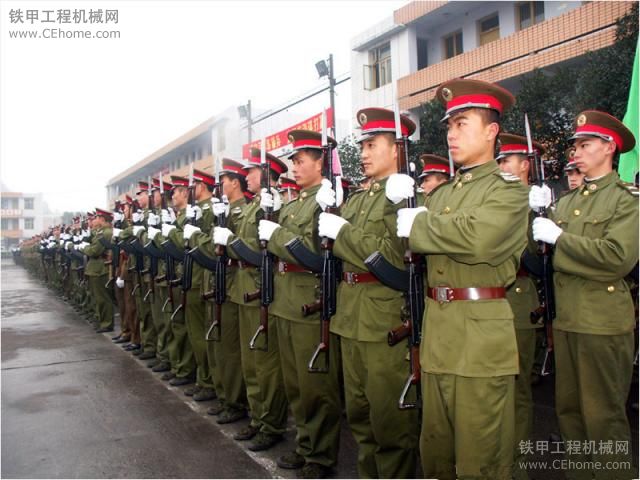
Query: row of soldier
{"points": [[196, 295]]}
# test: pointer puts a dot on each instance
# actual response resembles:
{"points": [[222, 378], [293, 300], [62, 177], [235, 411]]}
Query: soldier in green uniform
{"points": [[575, 177], [473, 234], [314, 397], [435, 172], [195, 315], [289, 189], [261, 370], [225, 353], [594, 229], [374, 373], [523, 298], [96, 270]]}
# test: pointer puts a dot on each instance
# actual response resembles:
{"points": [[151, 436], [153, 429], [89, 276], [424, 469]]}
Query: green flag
{"points": [[628, 166]]}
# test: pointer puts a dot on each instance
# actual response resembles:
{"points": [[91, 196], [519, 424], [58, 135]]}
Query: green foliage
{"points": [[349, 152]]}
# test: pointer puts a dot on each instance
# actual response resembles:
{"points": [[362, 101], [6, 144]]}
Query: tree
{"points": [[349, 152]]}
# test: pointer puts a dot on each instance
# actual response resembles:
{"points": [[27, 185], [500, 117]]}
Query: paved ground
{"points": [[74, 405]]}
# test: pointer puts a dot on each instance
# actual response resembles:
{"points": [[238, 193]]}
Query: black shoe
{"points": [[178, 381], [161, 367], [291, 461], [191, 391], [314, 470], [117, 337], [231, 415], [147, 355], [104, 330], [166, 376], [153, 363], [122, 340], [205, 394], [247, 433], [132, 346], [137, 351], [216, 409], [264, 441]]}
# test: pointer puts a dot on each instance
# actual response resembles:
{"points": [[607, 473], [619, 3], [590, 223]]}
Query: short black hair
{"points": [[240, 178]]}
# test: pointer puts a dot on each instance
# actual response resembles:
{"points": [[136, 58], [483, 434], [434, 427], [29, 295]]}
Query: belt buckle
{"points": [[350, 278], [442, 295], [282, 267]]}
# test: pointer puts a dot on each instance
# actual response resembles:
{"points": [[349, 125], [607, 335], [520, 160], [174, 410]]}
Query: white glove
{"points": [[546, 230], [329, 225], [152, 232], [86, 233], [75, 247], [137, 217], [65, 236], [75, 238], [51, 238], [270, 200], [118, 216], [539, 197], [325, 197], [399, 187], [221, 208], [189, 230], [221, 235], [137, 229], [116, 232], [119, 282], [61, 243], [166, 228], [194, 211], [68, 246], [82, 246], [168, 216], [406, 217], [153, 220], [215, 200], [266, 229]]}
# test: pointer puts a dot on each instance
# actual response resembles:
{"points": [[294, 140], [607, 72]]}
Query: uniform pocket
{"points": [[595, 225]]}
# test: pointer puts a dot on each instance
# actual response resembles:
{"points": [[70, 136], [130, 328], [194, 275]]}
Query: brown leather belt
{"points": [[244, 265], [351, 278], [232, 262], [446, 294], [284, 267]]}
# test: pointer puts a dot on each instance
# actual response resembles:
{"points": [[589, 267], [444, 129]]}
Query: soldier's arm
{"points": [[603, 259], [487, 233], [309, 237]]}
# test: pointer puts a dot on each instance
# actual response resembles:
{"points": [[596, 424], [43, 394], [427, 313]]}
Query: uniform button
{"points": [[292, 215], [611, 289], [458, 185], [585, 192], [371, 194], [304, 195], [593, 187], [361, 212], [446, 210], [518, 290], [440, 271], [576, 212]]}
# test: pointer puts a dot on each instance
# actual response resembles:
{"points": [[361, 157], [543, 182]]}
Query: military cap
{"points": [[461, 93], [301, 139], [108, 216], [288, 183], [381, 120], [233, 167], [166, 186], [593, 123], [128, 200], [200, 176], [434, 164], [571, 164], [143, 187], [91, 214], [511, 144], [179, 181], [275, 164]]}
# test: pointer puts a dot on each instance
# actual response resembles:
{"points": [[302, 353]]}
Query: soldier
{"points": [[314, 398], [195, 315], [595, 233], [575, 177], [367, 310], [261, 370], [127, 279], [96, 270], [523, 298], [473, 234], [289, 189], [435, 172]]}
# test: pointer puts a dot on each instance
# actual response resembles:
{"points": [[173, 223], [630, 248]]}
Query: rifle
{"points": [[187, 263], [220, 273], [153, 261], [266, 266], [328, 284], [546, 293]]}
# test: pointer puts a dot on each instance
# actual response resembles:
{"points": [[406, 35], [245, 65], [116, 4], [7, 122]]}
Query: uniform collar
{"points": [[476, 172], [238, 203], [377, 185], [592, 186], [308, 192]]}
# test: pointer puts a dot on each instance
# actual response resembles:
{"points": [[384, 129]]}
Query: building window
{"points": [[9, 224], [28, 203], [423, 53], [489, 29], [28, 223], [453, 44], [378, 72], [529, 13], [9, 203]]}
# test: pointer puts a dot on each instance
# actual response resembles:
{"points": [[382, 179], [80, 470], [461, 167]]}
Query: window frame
{"points": [[490, 31], [453, 35]]}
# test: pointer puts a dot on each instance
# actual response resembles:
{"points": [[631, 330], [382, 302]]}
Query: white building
{"points": [[23, 215]]}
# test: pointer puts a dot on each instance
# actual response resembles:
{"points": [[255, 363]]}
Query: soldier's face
{"points": [[378, 157], [574, 178], [253, 180], [516, 165], [307, 171], [157, 198], [470, 139], [180, 197], [593, 156], [430, 182], [143, 200]]}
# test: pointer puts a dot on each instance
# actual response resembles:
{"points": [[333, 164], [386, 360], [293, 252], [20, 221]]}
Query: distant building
{"points": [[23, 215]]}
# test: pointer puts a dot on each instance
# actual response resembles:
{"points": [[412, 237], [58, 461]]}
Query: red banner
{"points": [[279, 140]]}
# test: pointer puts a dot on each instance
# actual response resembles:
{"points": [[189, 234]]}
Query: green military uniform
{"points": [[374, 373], [314, 397], [593, 328], [96, 272]]}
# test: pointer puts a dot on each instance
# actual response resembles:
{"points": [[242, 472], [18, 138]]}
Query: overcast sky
{"points": [[76, 112]]}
